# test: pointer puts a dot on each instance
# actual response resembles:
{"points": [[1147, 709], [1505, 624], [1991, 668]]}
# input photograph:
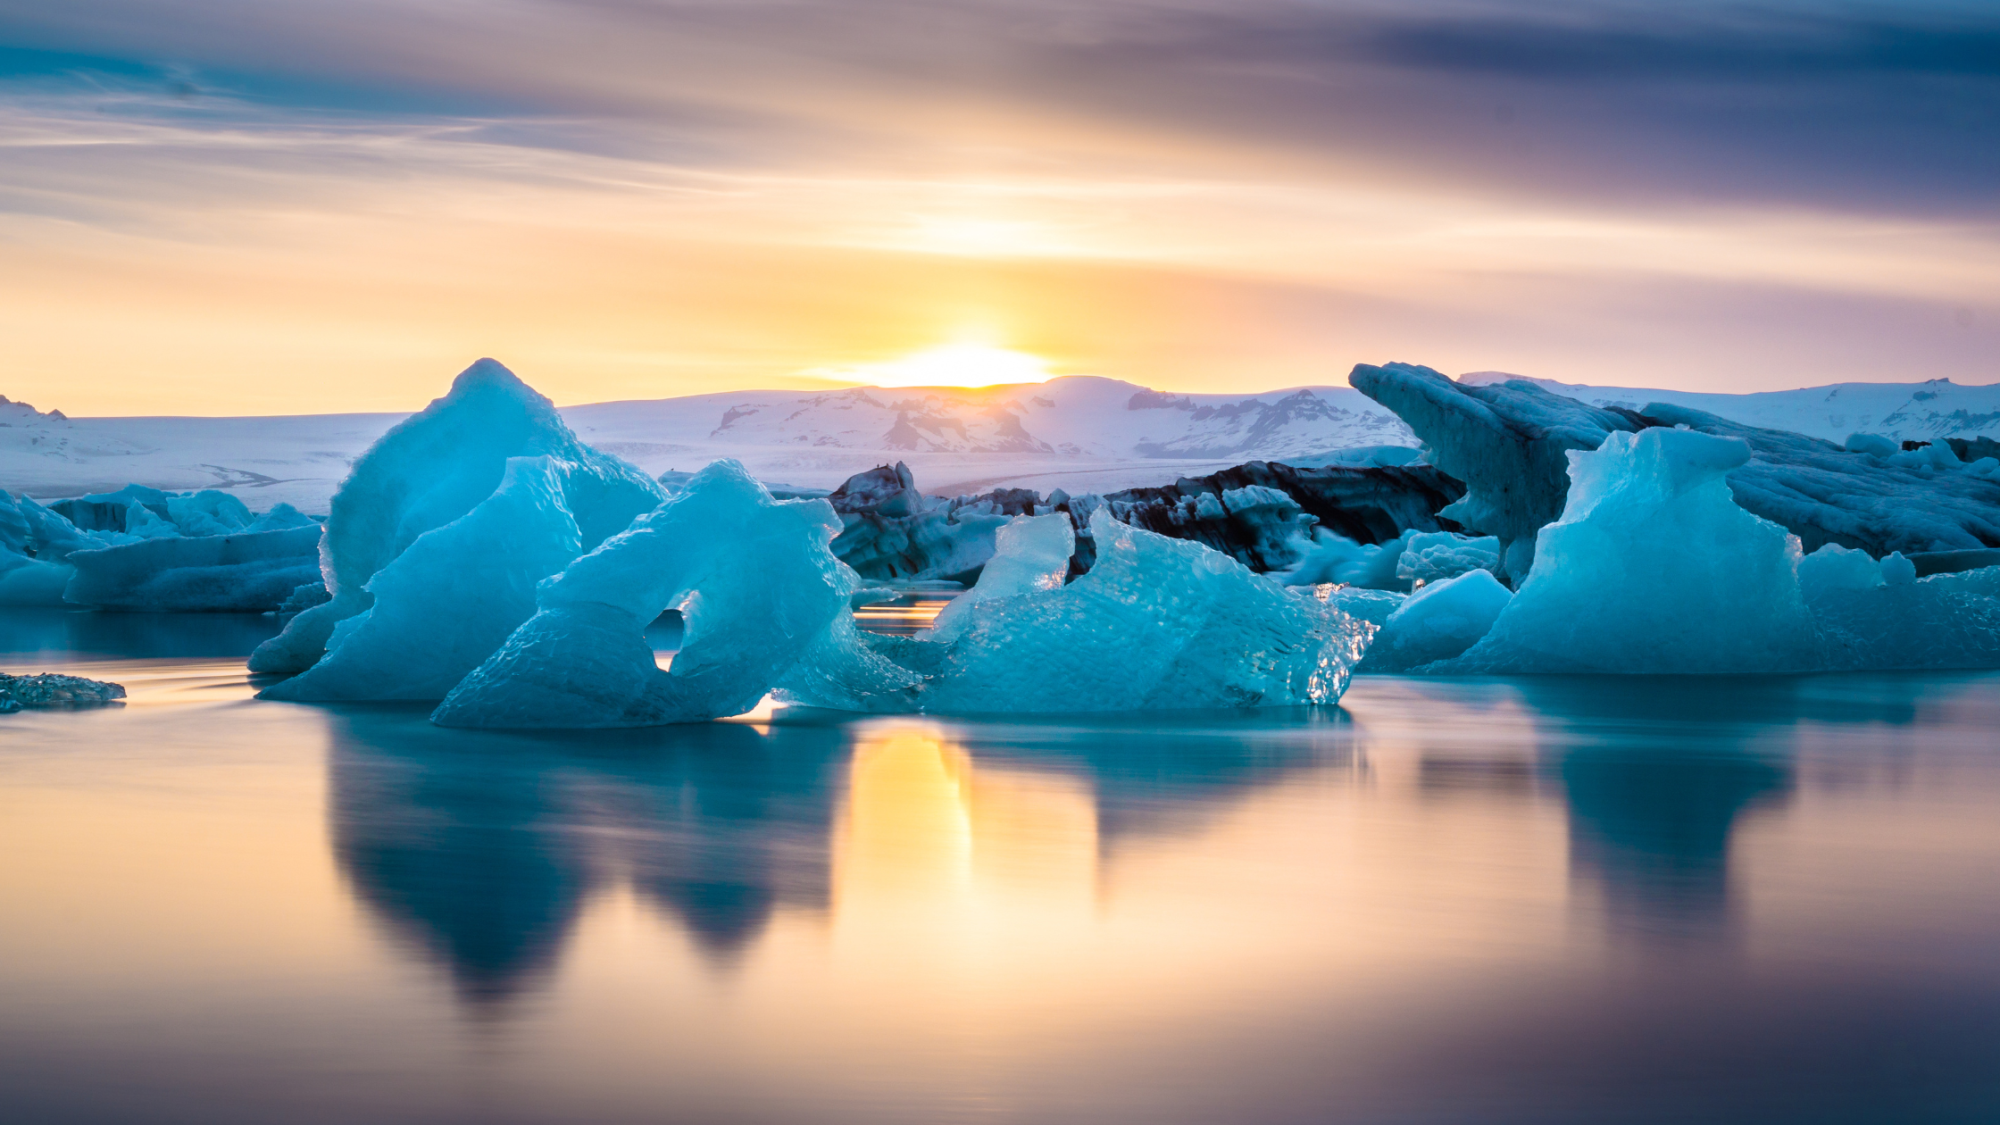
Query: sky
{"points": [[281, 206]]}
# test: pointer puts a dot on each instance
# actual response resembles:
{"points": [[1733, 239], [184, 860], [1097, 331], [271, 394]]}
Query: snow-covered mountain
{"points": [[1076, 416], [1079, 433], [1925, 411]]}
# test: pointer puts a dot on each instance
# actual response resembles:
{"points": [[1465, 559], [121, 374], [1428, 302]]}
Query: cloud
{"points": [[680, 196]]}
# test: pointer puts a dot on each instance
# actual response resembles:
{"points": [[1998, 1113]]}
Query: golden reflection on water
{"points": [[926, 829], [923, 919]]}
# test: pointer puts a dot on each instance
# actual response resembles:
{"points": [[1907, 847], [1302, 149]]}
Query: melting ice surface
{"points": [[1543, 899]]}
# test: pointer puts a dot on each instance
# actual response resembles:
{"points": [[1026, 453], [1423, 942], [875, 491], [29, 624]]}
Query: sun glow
{"points": [[951, 365]]}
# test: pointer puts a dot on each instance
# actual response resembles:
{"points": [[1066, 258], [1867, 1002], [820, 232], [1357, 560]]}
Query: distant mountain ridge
{"points": [[1073, 416]]}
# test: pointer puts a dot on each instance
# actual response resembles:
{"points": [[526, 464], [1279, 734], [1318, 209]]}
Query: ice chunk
{"points": [[13, 526], [1834, 567], [110, 511], [142, 522], [1158, 623], [1031, 555], [892, 531], [1507, 442], [434, 468], [48, 689], [208, 512], [25, 578], [1930, 455], [52, 538], [1874, 445], [755, 581], [1909, 502], [1437, 555], [32, 582], [1340, 560], [1438, 622], [451, 598], [280, 517], [247, 572], [1653, 568], [1245, 518], [1943, 621]]}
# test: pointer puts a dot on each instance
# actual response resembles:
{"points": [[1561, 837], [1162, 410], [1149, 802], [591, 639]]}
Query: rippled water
{"points": [[1535, 900]]}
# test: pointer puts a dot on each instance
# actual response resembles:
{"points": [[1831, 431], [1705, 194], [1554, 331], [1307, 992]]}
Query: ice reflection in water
{"points": [[1567, 900]]}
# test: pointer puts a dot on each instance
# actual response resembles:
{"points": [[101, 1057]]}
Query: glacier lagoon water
{"points": [[1543, 899]]}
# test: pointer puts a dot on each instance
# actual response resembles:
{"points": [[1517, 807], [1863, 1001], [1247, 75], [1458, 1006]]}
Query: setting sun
{"points": [[951, 365]]}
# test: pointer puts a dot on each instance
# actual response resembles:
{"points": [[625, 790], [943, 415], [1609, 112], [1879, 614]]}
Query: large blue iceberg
{"points": [[435, 542]]}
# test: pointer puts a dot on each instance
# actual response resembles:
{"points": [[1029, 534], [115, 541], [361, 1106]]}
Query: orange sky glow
{"points": [[751, 207]]}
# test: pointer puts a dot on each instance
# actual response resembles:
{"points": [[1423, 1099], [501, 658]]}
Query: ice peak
{"points": [[486, 371]]}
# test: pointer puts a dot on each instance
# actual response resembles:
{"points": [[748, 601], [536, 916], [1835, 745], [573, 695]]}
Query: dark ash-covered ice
{"points": [[50, 689]]}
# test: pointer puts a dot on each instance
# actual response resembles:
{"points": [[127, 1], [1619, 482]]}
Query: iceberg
{"points": [[1271, 516], [1507, 441], [1438, 622], [890, 531], [1264, 515], [251, 572], [1400, 564], [450, 598], [1031, 556], [1341, 561], [207, 552], [24, 579], [1157, 623], [755, 581], [1655, 568], [427, 473], [1873, 498], [1438, 555]]}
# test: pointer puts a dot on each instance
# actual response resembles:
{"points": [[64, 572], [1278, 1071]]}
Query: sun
{"points": [[958, 365]]}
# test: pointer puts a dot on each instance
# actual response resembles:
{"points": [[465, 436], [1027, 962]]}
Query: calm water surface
{"points": [[1532, 900]]}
